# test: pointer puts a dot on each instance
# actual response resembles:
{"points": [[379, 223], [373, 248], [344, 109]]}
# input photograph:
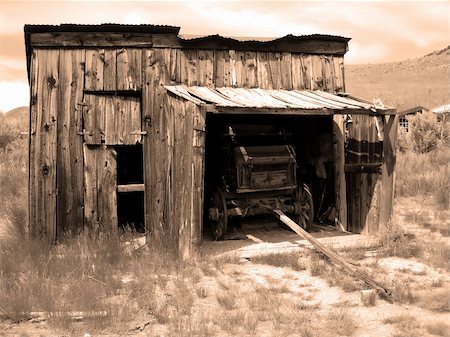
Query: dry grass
{"points": [[293, 260], [435, 300], [424, 173], [438, 329], [404, 325]]}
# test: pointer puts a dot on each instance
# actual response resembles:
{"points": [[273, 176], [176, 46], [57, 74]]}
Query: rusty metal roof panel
{"points": [[270, 99]]}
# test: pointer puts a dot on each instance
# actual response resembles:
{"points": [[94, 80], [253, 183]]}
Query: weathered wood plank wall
{"points": [[43, 143], [63, 108], [69, 156]]}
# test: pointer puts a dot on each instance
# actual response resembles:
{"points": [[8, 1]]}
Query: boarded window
{"points": [[112, 120]]}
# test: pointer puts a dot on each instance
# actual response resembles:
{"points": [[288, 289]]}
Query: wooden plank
{"points": [[34, 145], [97, 39], [262, 64], [206, 68], [327, 66], [317, 81], [339, 172], [222, 70], [94, 117], [286, 71], [129, 69], [181, 194], [110, 70], [373, 215], [90, 187], [100, 179], [274, 70], [46, 143], [246, 69], [130, 188], [94, 69], [156, 146], [106, 189], [188, 64], [364, 201], [297, 72], [338, 71], [197, 183], [70, 149], [382, 291], [306, 62]]}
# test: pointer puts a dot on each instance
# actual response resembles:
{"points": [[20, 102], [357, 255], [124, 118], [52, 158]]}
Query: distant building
{"points": [[403, 116], [442, 112]]}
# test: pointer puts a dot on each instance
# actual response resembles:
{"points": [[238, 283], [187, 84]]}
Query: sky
{"points": [[381, 31]]}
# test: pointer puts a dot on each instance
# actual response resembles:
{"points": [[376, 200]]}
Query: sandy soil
{"points": [[295, 285]]}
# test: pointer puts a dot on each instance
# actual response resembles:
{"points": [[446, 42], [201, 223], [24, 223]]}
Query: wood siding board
{"points": [[286, 70], [262, 63], [317, 81], [339, 179], [110, 70], [307, 69], [34, 141], [206, 68], [129, 69], [297, 73], [274, 62], [46, 143], [84, 39], [221, 69], [70, 150], [90, 187], [338, 66], [95, 62], [327, 73], [106, 189], [197, 185], [156, 152]]}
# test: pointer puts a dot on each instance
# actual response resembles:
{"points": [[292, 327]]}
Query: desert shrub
{"points": [[13, 175], [425, 132]]}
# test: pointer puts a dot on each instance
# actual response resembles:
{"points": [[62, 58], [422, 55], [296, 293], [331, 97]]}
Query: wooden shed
{"points": [[122, 118]]}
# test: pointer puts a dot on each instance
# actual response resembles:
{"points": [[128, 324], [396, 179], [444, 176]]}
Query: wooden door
{"points": [[363, 161]]}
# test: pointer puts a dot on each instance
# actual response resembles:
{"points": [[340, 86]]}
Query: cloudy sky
{"points": [[381, 31]]}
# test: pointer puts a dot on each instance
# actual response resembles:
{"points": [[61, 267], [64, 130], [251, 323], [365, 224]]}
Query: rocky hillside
{"points": [[421, 81]]}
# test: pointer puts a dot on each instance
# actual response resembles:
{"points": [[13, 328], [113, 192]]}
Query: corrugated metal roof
{"points": [[104, 27], [228, 97]]}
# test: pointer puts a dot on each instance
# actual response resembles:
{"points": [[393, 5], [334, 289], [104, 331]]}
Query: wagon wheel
{"points": [[304, 200], [218, 214]]}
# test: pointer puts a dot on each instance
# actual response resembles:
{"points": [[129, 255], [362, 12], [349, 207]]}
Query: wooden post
{"points": [[339, 174], [390, 125]]}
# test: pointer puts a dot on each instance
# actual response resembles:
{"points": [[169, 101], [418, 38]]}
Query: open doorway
{"points": [[130, 192], [308, 139]]}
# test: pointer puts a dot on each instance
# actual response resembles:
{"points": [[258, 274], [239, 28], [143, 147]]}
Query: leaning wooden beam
{"points": [[381, 290]]}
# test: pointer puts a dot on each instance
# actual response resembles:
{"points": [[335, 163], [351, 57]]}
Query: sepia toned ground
{"points": [[291, 293]]}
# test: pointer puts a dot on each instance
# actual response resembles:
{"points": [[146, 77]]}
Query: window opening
{"points": [[130, 192]]}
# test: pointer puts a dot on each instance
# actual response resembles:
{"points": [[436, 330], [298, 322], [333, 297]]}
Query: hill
{"points": [[17, 114], [421, 81]]}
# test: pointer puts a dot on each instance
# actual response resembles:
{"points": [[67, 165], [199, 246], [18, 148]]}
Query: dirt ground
{"points": [[415, 314]]}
